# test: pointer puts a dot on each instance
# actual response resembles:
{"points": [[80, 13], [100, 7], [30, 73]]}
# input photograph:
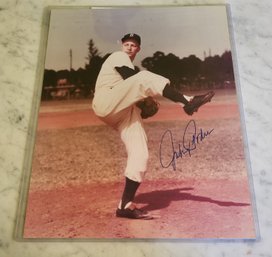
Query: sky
{"points": [[179, 30]]}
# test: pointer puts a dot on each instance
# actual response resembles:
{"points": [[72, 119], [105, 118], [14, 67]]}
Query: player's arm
{"points": [[125, 71]]}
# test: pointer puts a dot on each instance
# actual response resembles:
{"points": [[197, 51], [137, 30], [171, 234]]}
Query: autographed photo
{"points": [[139, 131]]}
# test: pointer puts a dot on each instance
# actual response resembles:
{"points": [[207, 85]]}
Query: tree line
{"points": [[188, 73]]}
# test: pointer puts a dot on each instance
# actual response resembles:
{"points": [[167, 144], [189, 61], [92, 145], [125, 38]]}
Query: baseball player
{"points": [[118, 90]]}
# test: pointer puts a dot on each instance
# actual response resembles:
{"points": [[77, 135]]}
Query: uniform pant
{"points": [[116, 107]]}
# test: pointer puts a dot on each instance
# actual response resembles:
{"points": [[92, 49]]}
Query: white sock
{"points": [[127, 205], [188, 98]]}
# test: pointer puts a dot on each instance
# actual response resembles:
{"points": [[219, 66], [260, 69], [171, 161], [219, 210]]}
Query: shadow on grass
{"points": [[160, 199]]}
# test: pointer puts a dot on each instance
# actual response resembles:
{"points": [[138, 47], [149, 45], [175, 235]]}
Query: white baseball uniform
{"points": [[114, 102]]}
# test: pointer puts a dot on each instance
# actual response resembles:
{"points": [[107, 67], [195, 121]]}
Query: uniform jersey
{"points": [[108, 76]]}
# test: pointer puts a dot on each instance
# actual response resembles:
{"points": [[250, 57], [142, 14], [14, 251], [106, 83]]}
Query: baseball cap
{"points": [[134, 36]]}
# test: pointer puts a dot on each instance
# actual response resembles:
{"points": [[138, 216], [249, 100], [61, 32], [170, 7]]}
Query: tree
{"points": [[227, 65], [93, 51], [93, 67], [165, 65], [191, 71], [49, 78], [190, 67]]}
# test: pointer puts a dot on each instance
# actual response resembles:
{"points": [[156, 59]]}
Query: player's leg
{"points": [[134, 137], [191, 104], [135, 140], [137, 87]]}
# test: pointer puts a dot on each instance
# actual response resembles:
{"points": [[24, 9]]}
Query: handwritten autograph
{"points": [[191, 138]]}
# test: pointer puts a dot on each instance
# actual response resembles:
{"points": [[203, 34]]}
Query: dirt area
{"points": [[77, 176]]}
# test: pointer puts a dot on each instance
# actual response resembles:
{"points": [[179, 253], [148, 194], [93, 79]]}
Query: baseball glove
{"points": [[149, 107]]}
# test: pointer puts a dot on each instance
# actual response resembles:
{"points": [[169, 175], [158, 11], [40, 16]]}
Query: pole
{"points": [[71, 59]]}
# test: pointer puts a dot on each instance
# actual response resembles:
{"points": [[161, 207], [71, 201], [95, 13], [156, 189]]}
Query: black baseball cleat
{"points": [[198, 101], [133, 214]]}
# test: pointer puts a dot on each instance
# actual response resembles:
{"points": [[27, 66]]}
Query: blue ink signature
{"points": [[191, 138]]}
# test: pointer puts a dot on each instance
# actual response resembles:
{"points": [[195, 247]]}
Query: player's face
{"points": [[131, 48]]}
